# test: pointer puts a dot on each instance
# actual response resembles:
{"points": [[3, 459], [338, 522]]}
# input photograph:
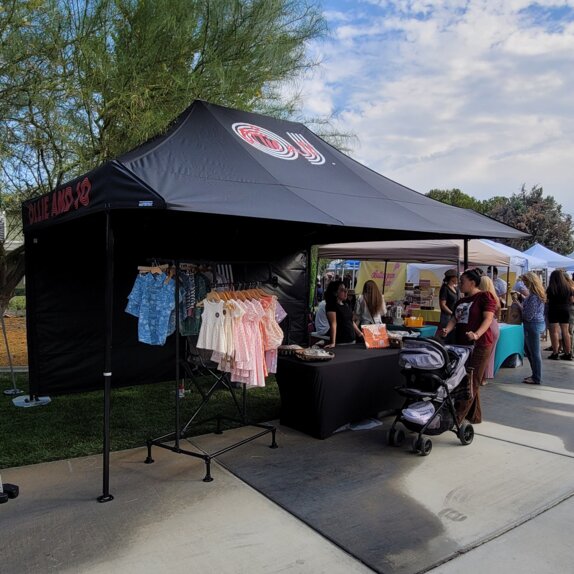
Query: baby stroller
{"points": [[435, 376]]}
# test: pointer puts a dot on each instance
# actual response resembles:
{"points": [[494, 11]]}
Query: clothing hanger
{"points": [[152, 268], [213, 296], [241, 295], [169, 275]]}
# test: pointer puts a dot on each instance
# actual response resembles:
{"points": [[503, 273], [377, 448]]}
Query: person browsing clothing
{"points": [[342, 328], [471, 321], [370, 305]]}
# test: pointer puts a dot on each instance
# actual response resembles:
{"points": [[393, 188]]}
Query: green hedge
{"points": [[17, 303]]}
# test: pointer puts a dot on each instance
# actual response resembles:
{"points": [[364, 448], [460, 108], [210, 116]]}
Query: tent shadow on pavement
{"points": [[401, 513]]}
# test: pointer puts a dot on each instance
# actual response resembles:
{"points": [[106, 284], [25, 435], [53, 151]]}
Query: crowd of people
{"points": [[474, 318], [470, 307]]}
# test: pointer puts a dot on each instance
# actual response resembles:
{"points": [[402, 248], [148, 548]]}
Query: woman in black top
{"points": [[560, 295], [342, 330], [448, 296]]}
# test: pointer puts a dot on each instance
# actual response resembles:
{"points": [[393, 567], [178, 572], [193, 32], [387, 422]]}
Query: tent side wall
{"points": [[65, 268], [66, 330], [66, 286]]}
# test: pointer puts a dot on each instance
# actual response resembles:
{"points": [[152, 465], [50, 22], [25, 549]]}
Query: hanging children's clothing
{"points": [[156, 309], [224, 358], [244, 335], [151, 300], [253, 337], [242, 358], [195, 287], [135, 296], [271, 332], [211, 333]]}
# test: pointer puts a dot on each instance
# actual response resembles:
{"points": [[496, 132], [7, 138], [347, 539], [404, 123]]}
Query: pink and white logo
{"points": [[270, 143], [307, 150]]}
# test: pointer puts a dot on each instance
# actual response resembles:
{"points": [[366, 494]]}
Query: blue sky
{"points": [[475, 95]]}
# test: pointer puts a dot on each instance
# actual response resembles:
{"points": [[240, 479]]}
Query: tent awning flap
{"points": [[109, 186]]}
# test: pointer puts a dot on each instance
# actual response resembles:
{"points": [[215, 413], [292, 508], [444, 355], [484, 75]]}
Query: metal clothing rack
{"points": [[219, 380]]}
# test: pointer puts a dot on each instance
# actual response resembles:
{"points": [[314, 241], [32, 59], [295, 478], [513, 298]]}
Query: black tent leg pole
{"points": [[384, 278], [14, 390], [465, 254], [177, 375], [106, 496], [508, 286]]}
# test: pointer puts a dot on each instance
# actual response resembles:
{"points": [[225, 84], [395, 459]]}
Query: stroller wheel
{"points": [[422, 446], [466, 433], [396, 437]]}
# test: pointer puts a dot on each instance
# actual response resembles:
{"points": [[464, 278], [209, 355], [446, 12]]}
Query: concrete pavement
{"points": [[505, 503]]}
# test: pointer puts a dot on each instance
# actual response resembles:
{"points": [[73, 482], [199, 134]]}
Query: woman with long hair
{"points": [[533, 324], [370, 305], [486, 284], [559, 293], [342, 329], [472, 318]]}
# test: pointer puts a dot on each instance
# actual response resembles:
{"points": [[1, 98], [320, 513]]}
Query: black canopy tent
{"points": [[218, 185]]}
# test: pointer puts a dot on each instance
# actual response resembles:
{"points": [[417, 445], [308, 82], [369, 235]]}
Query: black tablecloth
{"points": [[319, 397]]}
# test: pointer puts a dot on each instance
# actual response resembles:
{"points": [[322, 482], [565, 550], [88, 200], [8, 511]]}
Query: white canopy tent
{"points": [[553, 260], [434, 255], [518, 258], [439, 251]]}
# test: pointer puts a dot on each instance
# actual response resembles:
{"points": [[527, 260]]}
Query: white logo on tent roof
{"points": [[270, 143]]}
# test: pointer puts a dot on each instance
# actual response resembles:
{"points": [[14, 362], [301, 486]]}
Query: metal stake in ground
{"points": [[14, 390]]}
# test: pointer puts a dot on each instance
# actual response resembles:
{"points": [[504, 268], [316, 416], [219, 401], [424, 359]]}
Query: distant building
{"points": [[12, 243]]}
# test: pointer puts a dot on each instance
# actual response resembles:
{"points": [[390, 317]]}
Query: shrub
{"points": [[17, 303]]}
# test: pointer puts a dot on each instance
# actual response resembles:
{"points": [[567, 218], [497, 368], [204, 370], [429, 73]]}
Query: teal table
{"points": [[425, 331], [511, 342]]}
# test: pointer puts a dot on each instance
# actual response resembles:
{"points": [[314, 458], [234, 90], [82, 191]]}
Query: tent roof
{"points": [[518, 258], [480, 252], [216, 160], [552, 258]]}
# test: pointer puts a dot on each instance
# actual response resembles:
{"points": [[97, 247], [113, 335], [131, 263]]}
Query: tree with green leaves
{"points": [[529, 211], [456, 197], [539, 216], [84, 81]]}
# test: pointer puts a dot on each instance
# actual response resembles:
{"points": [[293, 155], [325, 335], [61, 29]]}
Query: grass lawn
{"points": [[72, 425]]}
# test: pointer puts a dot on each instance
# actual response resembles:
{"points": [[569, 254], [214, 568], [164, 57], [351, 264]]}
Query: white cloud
{"points": [[474, 95]]}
